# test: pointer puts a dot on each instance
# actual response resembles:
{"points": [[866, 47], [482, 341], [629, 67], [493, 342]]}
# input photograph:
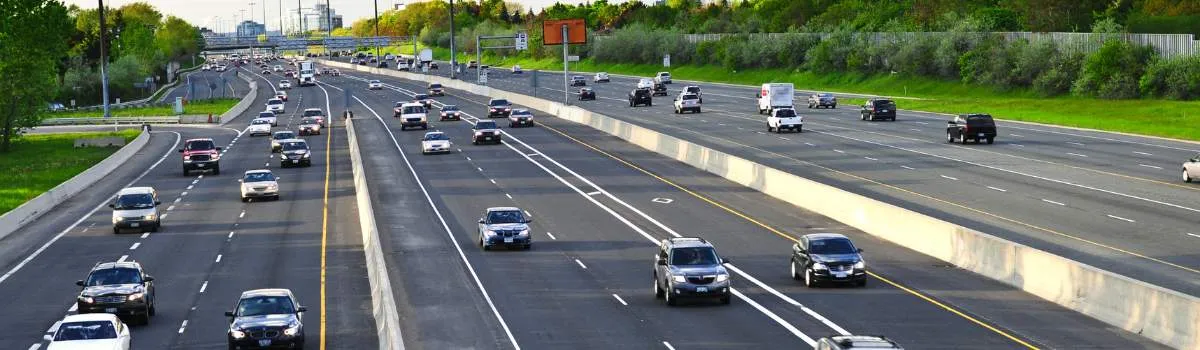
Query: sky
{"points": [[204, 13]]}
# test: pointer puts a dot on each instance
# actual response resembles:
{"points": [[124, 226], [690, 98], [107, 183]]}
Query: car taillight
{"points": [[966, 128]]}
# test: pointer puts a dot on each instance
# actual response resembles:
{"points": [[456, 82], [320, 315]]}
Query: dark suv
{"points": [[485, 131], [499, 107], [828, 257], [640, 97], [879, 108], [119, 288], [201, 154], [689, 267], [976, 127]]}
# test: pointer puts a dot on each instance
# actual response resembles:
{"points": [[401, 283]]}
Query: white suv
{"points": [[662, 78], [413, 114], [784, 118], [601, 77], [285, 84], [275, 105], [687, 102]]}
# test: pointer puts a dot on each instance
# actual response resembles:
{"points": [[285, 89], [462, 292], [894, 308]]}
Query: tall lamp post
{"points": [[453, 54], [103, 62], [377, 29]]}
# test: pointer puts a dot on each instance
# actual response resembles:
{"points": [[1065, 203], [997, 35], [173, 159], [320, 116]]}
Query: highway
{"points": [[203, 84], [1110, 200], [599, 212]]}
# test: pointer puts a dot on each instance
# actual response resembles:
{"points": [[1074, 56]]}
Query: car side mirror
{"points": [[110, 205], [48, 337], [79, 283], [662, 262], [180, 150], [951, 123], [481, 221], [219, 148], [228, 313], [301, 309], [528, 221], [157, 203], [860, 250], [149, 278]]}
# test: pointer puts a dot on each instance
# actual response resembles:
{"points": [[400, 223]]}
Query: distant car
{"points": [[659, 89], [56, 107], [259, 126], [336, 73], [266, 72], [269, 116], [879, 108], [472, 64], [686, 102], [449, 112], [662, 78], [824, 100], [315, 113], [499, 107], [516, 69], [693, 89], [827, 258], [259, 183], [280, 136], [520, 117], [266, 318], [977, 127], [639, 97], [587, 94], [435, 142], [90, 331], [309, 126], [381, 64], [285, 84], [505, 227], [1191, 168], [852, 342], [201, 154], [578, 80], [120, 288], [278, 68], [433, 65], [374, 85], [206, 67], [424, 100], [282, 95], [413, 115], [436, 89], [689, 267], [275, 105], [485, 131], [294, 152], [600, 77], [222, 68], [645, 83]]}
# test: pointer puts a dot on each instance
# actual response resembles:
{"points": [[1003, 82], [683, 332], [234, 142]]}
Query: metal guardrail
{"points": [[110, 121]]}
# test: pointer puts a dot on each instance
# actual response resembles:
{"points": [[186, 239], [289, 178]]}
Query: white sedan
{"points": [[601, 77], [285, 84], [374, 85], [435, 142], [259, 126], [275, 105], [259, 184], [90, 331]]}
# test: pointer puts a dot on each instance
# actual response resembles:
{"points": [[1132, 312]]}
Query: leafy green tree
{"points": [[33, 37]]}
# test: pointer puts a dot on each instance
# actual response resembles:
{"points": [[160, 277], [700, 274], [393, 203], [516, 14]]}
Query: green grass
{"points": [[1165, 118], [215, 106], [38, 162]]}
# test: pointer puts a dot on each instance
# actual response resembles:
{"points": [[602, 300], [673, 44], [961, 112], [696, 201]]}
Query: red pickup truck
{"points": [[200, 155]]}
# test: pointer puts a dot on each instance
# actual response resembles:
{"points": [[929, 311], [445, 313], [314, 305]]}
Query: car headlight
{"points": [[860, 265], [148, 217], [118, 218], [489, 233], [187, 158], [85, 300], [818, 266], [306, 155], [236, 334], [722, 277], [524, 232], [477, 133], [292, 330], [136, 296], [679, 279], [273, 187], [282, 156]]}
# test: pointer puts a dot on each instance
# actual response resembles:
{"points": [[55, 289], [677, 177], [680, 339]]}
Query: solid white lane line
{"points": [[508, 195], [1075, 143], [1119, 218], [997, 189], [668, 345], [1051, 202], [1193, 235], [74, 307], [839, 151], [551, 236], [1143, 153], [122, 259], [950, 177], [869, 158], [581, 264], [218, 258], [35, 346], [135, 246], [775, 317], [914, 129], [144, 235], [182, 326], [622, 301], [809, 143], [922, 123], [1017, 145], [54, 327], [1016, 135], [1150, 166], [203, 286], [1077, 154], [907, 167]]}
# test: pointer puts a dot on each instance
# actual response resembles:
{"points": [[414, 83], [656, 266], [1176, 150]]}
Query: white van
{"points": [[136, 208], [775, 95]]}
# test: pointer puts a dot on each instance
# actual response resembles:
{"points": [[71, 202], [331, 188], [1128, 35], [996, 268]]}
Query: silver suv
{"points": [[689, 267], [847, 342], [504, 226]]}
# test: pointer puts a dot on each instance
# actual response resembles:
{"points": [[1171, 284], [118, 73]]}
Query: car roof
{"points": [[864, 341], [412, 104], [521, 110], [136, 190], [448, 106], [255, 171], [819, 236], [278, 292], [199, 139], [284, 132], [294, 140], [117, 265], [503, 209], [100, 316], [274, 99], [685, 242]]}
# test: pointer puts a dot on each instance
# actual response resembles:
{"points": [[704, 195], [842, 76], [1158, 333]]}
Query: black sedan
{"points": [[587, 94], [266, 318], [828, 257]]}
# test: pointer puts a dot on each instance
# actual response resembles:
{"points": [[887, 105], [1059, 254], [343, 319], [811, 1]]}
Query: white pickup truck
{"points": [[784, 118]]}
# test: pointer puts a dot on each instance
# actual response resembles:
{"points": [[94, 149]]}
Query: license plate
{"points": [[201, 165], [701, 289], [487, 138], [980, 134], [294, 161], [111, 310], [839, 274], [264, 342], [885, 111], [508, 240], [134, 224]]}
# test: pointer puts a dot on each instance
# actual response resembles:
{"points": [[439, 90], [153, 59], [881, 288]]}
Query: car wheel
{"points": [[658, 292], [990, 140], [769, 129], [949, 137], [116, 230], [808, 279], [669, 299], [792, 267], [962, 138], [217, 170], [483, 245], [862, 283], [1186, 176], [244, 199], [424, 126], [152, 309], [528, 246], [725, 300], [892, 119], [185, 172], [651, 104], [863, 117]]}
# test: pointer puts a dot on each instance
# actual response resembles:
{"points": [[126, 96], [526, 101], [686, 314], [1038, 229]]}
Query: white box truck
{"points": [[775, 95], [307, 74]]}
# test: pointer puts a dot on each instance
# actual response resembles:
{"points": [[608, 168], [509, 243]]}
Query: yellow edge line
{"points": [[325, 225], [793, 239]]}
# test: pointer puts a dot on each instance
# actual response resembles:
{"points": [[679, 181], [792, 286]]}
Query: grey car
{"points": [[506, 227], [690, 268], [822, 100]]}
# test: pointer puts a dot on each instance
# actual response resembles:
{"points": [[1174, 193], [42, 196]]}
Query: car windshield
{"points": [[785, 113], [134, 201], [420, 97], [576, 78], [104, 277], [274, 102], [831, 246], [313, 113], [500, 102], [449, 108], [435, 86], [265, 305], [259, 177], [521, 112], [825, 95], [284, 82], [979, 120], [436, 137], [200, 145], [294, 146], [413, 110], [308, 121], [260, 121], [695, 89], [374, 82], [505, 217], [284, 135], [884, 103], [690, 97], [85, 330], [485, 124], [693, 256]]}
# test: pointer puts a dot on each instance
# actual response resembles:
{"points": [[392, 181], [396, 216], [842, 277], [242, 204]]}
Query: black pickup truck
{"points": [[977, 127]]}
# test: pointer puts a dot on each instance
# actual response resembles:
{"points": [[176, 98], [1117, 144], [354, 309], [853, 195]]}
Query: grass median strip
{"points": [[38, 162], [215, 106]]}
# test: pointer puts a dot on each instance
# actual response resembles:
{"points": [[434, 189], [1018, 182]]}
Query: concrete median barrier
{"points": [[14, 219], [242, 105], [1160, 314]]}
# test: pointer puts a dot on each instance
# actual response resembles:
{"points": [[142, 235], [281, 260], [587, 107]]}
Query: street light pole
{"points": [[377, 29], [103, 62], [453, 54], [328, 28], [300, 17]]}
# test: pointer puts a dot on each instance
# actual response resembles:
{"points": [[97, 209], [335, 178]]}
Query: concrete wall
{"points": [[13, 220], [1164, 315], [242, 105]]}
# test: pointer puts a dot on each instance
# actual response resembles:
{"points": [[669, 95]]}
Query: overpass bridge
{"points": [[282, 43]]}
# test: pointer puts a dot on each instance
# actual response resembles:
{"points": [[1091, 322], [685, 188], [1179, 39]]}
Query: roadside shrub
{"points": [[1113, 71], [1176, 78], [1060, 74], [830, 55], [1031, 60], [914, 57]]}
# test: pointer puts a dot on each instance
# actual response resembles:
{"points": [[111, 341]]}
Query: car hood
{"points": [[260, 126], [508, 227], [93, 344], [310, 125], [130, 213], [295, 153], [698, 270], [837, 258], [439, 143], [111, 289], [195, 152], [281, 320], [259, 184]]}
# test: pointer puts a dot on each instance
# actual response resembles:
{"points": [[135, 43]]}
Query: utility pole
{"points": [[377, 30], [328, 28], [566, 79], [300, 17], [280, 17], [104, 62], [453, 54]]}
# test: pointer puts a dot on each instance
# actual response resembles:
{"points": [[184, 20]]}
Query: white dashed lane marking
{"points": [[218, 258], [950, 177], [1051, 202], [552, 236], [135, 246], [1120, 218], [622, 301], [581, 264]]}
